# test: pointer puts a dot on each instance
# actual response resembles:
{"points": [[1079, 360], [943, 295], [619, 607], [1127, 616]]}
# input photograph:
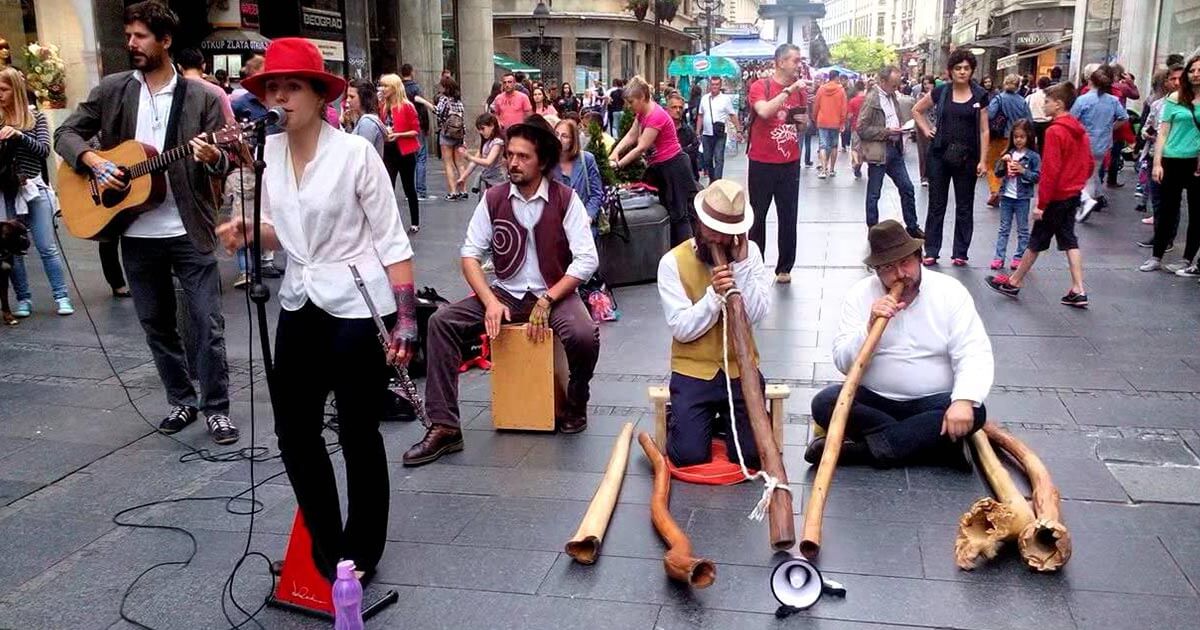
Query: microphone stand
{"points": [[259, 293]]}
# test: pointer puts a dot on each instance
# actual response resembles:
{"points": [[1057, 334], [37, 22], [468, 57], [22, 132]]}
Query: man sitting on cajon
{"points": [[691, 286], [537, 232], [924, 388]]}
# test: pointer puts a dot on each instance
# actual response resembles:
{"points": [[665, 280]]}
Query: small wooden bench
{"points": [[660, 396], [529, 380]]}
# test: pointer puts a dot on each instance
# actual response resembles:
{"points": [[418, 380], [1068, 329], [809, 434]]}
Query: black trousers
{"points": [[1179, 175], [408, 179], [941, 174], [780, 183], [316, 353], [110, 263], [700, 408]]}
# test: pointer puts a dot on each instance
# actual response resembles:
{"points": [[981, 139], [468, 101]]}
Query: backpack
{"points": [[453, 126], [998, 124]]}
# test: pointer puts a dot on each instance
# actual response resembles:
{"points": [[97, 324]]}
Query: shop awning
{"points": [[508, 63], [1011, 60], [745, 48], [234, 40], [703, 65]]}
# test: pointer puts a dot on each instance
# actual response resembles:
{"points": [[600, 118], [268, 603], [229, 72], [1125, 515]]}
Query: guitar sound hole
{"points": [[111, 198]]}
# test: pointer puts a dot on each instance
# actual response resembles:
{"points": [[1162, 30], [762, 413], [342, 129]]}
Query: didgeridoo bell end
{"points": [[584, 551], [697, 572], [809, 549], [1045, 545]]}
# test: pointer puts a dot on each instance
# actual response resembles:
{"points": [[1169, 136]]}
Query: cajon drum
{"points": [[660, 396], [529, 380]]}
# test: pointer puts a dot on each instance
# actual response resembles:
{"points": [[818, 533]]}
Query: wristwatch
{"points": [[546, 296]]}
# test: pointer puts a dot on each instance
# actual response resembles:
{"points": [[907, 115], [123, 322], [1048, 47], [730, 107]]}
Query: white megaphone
{"points": [[797, 584]]}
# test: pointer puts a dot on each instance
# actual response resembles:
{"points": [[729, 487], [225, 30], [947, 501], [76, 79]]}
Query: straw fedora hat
{"points": [[295, 57], [890, 242], [722, 207]]}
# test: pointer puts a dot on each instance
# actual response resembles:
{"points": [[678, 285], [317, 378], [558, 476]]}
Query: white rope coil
{"points": [[770, 484]]}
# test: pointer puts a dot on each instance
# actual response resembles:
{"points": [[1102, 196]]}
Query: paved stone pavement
{"points": [[1109, 397]]}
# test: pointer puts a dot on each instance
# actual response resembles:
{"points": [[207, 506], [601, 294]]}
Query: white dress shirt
{"points": [[528, 279], [891, 118], [162, 221], [342, 211], [935, 345], [689, 321], [716, 109]]}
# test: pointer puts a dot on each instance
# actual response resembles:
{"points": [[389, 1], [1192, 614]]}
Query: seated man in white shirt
{"points": [[923, 390], [537, 232], [690, 286]]}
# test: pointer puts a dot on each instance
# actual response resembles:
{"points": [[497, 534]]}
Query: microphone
{"points": [[274, 116]]}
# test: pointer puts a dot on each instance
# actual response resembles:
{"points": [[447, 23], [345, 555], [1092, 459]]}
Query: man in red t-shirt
{"points": [[511, 106], [779, 105], [854, 107]]}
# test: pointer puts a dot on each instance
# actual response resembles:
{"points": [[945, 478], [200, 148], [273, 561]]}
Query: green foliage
{"points": [[861, 54], [596, 147], [631, 172]]}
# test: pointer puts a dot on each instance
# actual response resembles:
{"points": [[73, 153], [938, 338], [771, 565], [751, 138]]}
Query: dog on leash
{"points": [[14, 241]]}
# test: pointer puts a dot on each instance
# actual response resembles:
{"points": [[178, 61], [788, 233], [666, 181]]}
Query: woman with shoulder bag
{"points": [[405, 127], [31, 201], [452, 132], [957, 153], [361, 105], [577, 168], [1177, 169]]}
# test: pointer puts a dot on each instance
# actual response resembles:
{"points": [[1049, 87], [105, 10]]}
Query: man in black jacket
{"points": [[154, 105]]}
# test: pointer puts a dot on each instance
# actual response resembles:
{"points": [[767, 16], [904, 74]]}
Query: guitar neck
{"points": [[160, 161]]}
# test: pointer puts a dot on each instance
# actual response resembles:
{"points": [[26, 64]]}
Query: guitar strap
{"points": [[176, 109]]}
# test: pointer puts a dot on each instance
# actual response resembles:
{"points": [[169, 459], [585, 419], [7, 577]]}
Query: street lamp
{"points": [[541, 15]]}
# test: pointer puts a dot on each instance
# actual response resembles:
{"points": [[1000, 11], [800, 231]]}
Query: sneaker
{"points": [[997, 263], [221, 429], [1190, 271], [180, 417], [1085, 210], [24, 308], [427, 197], [242, 280], [1078, 300], [1148, 243], [1148, 220], [959, 262], [999, 284], [451, 197], [414, 229], [857, 172], [820, 173], [1151, 264], [925, 183], [1016, 262], [929, 261], [64, 306], [269, 270], [832, 172], [783, 278]]}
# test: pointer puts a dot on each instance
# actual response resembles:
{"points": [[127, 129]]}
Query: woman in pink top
{"points": [[542, 105], [653, 136]]}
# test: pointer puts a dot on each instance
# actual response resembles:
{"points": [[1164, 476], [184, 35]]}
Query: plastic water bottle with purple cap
{"points": [[347, 598]]}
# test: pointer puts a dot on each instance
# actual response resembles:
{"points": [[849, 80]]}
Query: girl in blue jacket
{"points": [[1019, 169]]}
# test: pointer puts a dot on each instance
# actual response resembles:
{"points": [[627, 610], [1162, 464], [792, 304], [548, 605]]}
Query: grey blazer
{"points": [[110, 116]]}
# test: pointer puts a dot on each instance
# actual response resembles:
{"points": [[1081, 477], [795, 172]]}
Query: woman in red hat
{"points": [[327, 202]]}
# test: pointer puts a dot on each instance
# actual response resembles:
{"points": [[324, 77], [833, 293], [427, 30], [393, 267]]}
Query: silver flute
{"points": [[408, 389]]}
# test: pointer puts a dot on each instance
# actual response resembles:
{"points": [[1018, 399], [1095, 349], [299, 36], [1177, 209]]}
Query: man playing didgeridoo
{"points": [[538, 234], [691, 287], [925, 386]]}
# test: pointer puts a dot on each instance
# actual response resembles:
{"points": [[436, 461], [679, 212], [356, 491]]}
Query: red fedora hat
{"points": [[294, 57]]}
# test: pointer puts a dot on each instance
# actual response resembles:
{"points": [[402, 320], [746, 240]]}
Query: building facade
{"points": [[1015, 36], [871, 19], [1139, 34]]}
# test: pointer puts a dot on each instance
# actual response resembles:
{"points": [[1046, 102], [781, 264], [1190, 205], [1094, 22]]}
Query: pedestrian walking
{"points": [[957, 153], [1036, 101], [1166, 82], [881, 136], [1019, 167], [1003, 111], [829, 112], [452, 133], [412, 90], [853, 109], [715, 117], [404, 128], [1100, 113], [1066, 168], [1177, 169], [778, 115]]}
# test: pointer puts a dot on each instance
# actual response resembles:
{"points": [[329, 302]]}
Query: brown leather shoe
{"points": [[438, 441], [572, 424]]}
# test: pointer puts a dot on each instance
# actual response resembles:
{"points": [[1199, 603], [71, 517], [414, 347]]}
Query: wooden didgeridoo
{"points": [[678, 560], [584, 546], [814, 510], [1045, 543], [781, 523], [989, 523]]}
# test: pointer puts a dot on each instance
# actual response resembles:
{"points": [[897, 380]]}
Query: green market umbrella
{"points": [[703, 65]]}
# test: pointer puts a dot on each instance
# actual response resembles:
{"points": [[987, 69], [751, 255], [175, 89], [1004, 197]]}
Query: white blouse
{"points": [[343, 211]]}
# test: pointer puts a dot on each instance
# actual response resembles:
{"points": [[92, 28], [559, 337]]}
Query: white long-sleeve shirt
{"points": [[936, 344], [342, 211], [689, 321], [528, 279]]}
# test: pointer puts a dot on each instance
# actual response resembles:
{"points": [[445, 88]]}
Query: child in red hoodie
{"points": [[1066, 166]]}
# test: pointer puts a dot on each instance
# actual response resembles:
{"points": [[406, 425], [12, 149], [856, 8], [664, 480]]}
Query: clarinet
{"points": [[402, 381]]}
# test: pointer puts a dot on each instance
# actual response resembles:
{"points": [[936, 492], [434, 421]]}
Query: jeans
{"points": [[781, 183], [422, 167], [714, 156], [699, 406], [893, 166], [40, 222], [1179, 175], [896, 432], [1010, 210], [151, 263], [809, 131], [941, 174], [316, 353], [1092, 188]]}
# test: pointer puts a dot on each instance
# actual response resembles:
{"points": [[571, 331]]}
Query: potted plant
{"points": [[639, 8], [46, 75], [666, 9]]}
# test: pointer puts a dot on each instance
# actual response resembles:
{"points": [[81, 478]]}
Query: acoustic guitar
{"points": [[96, 213]]}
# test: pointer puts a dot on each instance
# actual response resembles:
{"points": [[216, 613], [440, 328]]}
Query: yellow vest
{"points": [[701, 358]]}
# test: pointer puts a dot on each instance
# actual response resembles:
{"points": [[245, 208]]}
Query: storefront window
{"points": [[450, 37], [1178, 29], [591, 63], [18, 26], [1101, 31], [546, 54]]}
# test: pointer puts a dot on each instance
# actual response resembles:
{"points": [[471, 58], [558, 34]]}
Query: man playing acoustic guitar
{"points": [[154, 106]]}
